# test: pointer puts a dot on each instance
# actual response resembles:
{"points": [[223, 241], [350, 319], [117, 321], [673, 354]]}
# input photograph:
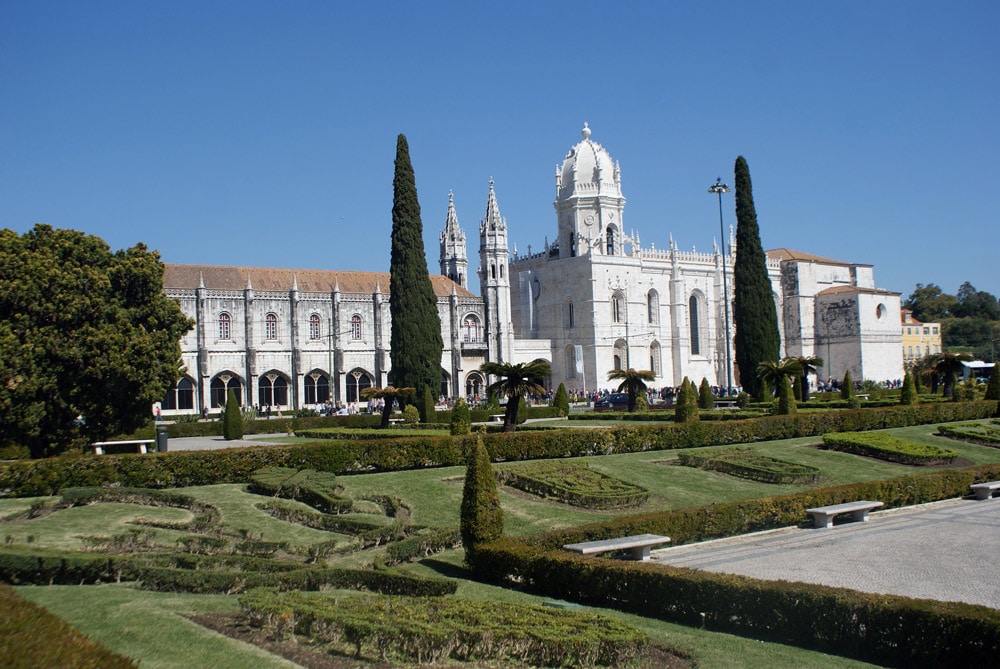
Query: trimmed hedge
{"points": [[317, 489], [573, 482], [431, 632], [749, 464], [180, 469], [887, 447], [33, 637], [884, 629]]}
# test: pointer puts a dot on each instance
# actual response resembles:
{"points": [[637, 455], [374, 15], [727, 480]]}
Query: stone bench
{"points": [[395, 421], [823, 515], [985, 490], [638, 544], [496, 418], [141, 445]]}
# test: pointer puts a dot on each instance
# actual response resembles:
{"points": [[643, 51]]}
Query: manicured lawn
{"points": [[151, 626]]}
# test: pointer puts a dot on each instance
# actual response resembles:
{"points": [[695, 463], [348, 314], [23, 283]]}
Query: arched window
{"points": [[653, 306], [501, 270], [621, 358], [315, 329], [357, 381], [570, 357], [693, 321], [617, 308], [220, 387], [272, 390], [654, 358], [610, 235], [493, 271], [317, 388], [474, 385], [181, 397], [569, 317], [470, 329], [270, 327], [225, 326], [355, 327]]}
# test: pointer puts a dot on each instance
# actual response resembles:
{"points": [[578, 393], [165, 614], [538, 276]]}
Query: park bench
{"points": [[496, 418], [724, 404], [395, 421], [823, 515], [985, 490], [638, 544], [141, 445]]}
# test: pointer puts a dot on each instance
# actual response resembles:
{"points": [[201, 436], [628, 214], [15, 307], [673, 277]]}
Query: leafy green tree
{"points": [[561, 400], [809, 365], [482, 517], [949, 365], [930, 303], [754, 313], [232, 419], [461, 419], [389, 395], [633, 383], [993, 387], [706, 400], [514, 381], [908, 393], [411, 415], [415, 337], [974, 303], [776, 374], [88, 340], [686, 403]]}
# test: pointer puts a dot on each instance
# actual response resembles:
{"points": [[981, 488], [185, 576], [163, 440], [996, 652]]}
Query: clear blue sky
{"points": [[263, 133]]}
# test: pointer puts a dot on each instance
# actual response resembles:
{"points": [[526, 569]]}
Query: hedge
{"points": [[180, 469], [31, 636], [884, 629], [887, 447]]}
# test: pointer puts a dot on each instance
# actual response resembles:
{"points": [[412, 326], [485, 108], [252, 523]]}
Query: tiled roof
{"points": [[227, 277], [791, 254]]}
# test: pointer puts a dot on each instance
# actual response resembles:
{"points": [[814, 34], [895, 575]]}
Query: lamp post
{"points": [[718, 188]]}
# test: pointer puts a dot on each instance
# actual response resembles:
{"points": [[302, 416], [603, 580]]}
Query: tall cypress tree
{"points": [[754, 313], [416, 328]]}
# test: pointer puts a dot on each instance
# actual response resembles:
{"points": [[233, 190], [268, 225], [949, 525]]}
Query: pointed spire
{"points": [[336, 283], [493, 220], [201, 280], [378, 286], [295, 282], [451, 226], [249, 283]]}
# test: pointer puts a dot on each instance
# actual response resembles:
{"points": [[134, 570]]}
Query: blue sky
{"points": [[263, 133]]}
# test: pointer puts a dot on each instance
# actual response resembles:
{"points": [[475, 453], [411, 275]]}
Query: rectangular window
{"points": [[927, 330], [935, 330]]}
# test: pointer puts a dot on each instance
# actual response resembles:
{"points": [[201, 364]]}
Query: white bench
{"points": [[395, 421], [985, 490], [724, 404], [140, 444], [638, 544], [496, 418], [823, 515]]}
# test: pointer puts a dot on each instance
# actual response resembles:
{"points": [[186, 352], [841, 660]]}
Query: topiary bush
{"points": [[232, 422], [482, 517], [705, 398], [561, 400], [461, 421], [411, 414]]}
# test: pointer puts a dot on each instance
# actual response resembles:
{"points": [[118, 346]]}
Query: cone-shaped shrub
{"points": [[232, 420], [482, 517], [705, 398], [786, 398], [686, 409], [993, 388], [847, 386], [461, 420], [561, 400], [908, 393], [427, 412]]}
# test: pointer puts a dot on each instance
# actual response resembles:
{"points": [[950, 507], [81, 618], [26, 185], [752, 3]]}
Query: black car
{"points": [[612, 402]]}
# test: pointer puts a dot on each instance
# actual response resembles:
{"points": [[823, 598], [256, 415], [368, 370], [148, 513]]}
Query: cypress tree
{"points": [[461, 419], [561, 400], [908, 393], [481, 517], [428, 413], [232, 420], [993, 387], [754, 313], [786, 398], [705, 398], [686, 407], [847, 387], [415, 338]]}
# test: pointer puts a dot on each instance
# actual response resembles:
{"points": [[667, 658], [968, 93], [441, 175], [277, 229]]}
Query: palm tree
{"points": [[949, 365], [515, 382], [809, 364], [774, 372], [389, 395], [632, 382]]}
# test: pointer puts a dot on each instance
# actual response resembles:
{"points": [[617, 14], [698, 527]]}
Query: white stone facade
{"points": [[592, 301]]}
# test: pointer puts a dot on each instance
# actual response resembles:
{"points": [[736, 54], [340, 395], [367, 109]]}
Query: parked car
{"points": [[612, 402]]}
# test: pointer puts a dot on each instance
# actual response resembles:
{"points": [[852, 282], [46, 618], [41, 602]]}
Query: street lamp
{"points": [[718, 188]]}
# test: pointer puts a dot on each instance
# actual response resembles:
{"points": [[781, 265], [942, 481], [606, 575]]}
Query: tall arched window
{"points": [[270, 327], [181, 397], [315, 329], [654, 358], [569, 317], [617, 308], [693, 320], [610, 236], [225, 326], [653, 306], [470, 329], [220, 387], [570, 357], [273, 390], [317, 388], [355, 327], [357, 381]]}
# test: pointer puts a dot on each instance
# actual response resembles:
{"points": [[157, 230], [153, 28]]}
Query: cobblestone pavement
{"points": [[947, 551]]}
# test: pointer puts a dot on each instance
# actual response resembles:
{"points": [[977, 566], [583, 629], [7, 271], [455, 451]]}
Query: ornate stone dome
{"points": [[588, 171]]}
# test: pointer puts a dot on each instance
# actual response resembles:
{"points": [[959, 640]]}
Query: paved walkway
{"points": [[218, 443], [948, 551]]}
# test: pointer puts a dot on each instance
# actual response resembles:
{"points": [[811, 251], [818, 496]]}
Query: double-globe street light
{"points": [[718, 188]]}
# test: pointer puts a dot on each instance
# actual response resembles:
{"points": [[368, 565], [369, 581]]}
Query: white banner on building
{"points": [[578, 358]]}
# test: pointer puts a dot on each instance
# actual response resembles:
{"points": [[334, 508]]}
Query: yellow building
{"points": [[919, 339]]}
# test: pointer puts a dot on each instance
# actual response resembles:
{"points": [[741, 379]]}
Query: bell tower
{"points": [[454, 256], [494, 280]]}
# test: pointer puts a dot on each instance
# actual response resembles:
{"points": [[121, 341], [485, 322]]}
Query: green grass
{"points": [[150, 626]]}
